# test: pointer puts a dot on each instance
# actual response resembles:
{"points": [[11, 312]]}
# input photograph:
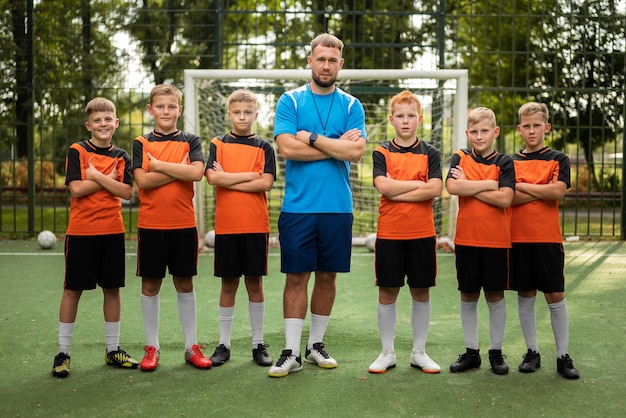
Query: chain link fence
{"points": [[570, 55]]}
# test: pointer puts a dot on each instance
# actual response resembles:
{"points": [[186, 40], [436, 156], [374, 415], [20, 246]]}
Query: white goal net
{"points": [[444, 99]]}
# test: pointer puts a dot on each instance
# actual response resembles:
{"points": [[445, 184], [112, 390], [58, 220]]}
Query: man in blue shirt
{"points": [[319, 130]]}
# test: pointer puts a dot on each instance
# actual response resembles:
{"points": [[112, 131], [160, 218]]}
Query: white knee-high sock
{"points": [[420, 321], [497, 321], [469, 321], [257, 319], [226, 317], [387, 317], [187, 315], [527, 320], [150, 308], [559, 317]]}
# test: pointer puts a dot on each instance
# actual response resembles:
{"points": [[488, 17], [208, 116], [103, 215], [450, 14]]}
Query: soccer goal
{"points": [[444, 99]]}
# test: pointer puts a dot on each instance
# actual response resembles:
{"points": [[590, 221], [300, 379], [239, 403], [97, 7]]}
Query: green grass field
{"points": [[32, 285]]}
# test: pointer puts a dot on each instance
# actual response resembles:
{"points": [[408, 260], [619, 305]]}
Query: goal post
{"points": [[444, 96]]}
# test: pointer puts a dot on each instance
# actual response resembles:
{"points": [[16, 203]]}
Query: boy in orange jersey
{"points": [[97, 176], [537, 256], [407, 173], [484, 180], [242, 166], [166, 162]]}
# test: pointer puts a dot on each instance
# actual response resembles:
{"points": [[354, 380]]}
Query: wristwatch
{"points": [[312, 139]]}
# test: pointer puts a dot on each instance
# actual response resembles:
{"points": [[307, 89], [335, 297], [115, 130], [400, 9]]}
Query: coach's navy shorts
{"points": [[158, 249], [241, 254], [538, 266], [315, 242], [97, 260], [414, 258], [479, 267]]}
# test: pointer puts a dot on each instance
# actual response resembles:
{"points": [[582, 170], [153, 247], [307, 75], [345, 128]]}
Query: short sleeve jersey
{"points": [[98, 213], [480, 224], [406, 220], [169, 206], [318, 186], [539, 220], [241, 212]]}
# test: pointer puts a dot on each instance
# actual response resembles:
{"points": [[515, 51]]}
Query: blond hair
{"points": [[405, 97], [481, 114], [99, 104], [327, 40], [242, 95], [166, 90], [533, 108]]}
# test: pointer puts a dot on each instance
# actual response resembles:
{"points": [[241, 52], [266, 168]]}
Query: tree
{"points": [[492, 40], [20, 73], [549, 51], [188, 34], [588, 65], [73, 59]]}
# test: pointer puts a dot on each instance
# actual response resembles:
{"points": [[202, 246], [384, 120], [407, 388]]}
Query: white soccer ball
{"points": [[209, 239], [370, 242], [46, 239]]}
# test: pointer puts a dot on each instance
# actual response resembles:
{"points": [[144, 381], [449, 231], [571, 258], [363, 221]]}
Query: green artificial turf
{"points": [[31, 281]]}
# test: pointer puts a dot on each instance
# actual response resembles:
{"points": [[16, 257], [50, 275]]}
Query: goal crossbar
{"points": [[460, 104], [193, 81]]}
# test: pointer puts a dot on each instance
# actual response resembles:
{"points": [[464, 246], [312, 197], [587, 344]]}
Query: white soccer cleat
{"points": [[318, 355], [420, 359], [385, 361], [286, 363]]}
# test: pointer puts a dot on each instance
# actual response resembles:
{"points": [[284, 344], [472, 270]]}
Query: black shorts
{"points": [[241, 254], [538, 266], [479, 267], [176, 249], [97, 260], [416, 259]]}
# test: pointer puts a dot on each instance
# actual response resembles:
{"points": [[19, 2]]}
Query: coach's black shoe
{"points": [[261, 356], [531, 362], [498, 366], [61, 365], [565, 367], [220, 356], [468, 360]]}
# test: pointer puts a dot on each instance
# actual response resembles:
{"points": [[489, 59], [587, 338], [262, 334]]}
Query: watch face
{"points": [[313, 137]]}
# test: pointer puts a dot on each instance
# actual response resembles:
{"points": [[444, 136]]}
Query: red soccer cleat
{"points": [[195, 357], [151, 359]]}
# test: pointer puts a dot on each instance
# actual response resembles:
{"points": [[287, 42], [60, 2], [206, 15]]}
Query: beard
{"points": [[324, 84]]}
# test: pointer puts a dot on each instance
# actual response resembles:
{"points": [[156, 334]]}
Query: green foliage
{"points": [[569, 55], [590, 101], [188, 34]]}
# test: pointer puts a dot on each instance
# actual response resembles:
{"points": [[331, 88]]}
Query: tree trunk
{"points": [[18, 16]]}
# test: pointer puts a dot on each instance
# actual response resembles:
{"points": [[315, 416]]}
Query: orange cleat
{"points": [[195, 357], [151, 359]]}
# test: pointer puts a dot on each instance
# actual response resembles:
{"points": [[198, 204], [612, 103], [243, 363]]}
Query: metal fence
{"points": [[569, 54]]}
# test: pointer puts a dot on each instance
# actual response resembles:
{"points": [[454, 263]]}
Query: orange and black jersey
{"points": [[241, 212], [420, 161], [169, 206], [539, 220], [98, 213], [480, 224]]}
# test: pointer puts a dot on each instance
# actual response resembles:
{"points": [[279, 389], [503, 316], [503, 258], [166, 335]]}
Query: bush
{"points": [[14, 174]]}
